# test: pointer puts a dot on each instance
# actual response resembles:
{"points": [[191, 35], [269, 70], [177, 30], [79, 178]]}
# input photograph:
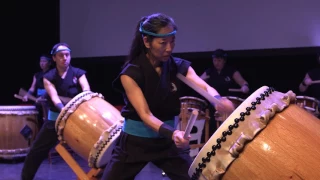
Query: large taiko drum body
{"points": [[90, 126], [267, 137], [18, 129]]}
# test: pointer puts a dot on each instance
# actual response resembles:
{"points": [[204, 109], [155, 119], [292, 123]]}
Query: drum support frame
{"points": [[72, 163]]}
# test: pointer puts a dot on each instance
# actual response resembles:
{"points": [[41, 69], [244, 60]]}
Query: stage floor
{"points": [[59, 170]]}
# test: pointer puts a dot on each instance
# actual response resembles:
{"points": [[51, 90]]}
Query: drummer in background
{"points": [[64, 80], [222, 78], [37, 87], [151, 92], [310, 85]]}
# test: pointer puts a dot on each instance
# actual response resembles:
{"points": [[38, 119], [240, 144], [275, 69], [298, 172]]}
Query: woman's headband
{"points": [[154, 34], [55, 51]]}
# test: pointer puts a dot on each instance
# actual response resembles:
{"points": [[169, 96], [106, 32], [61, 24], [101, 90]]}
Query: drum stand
{"points": [[67, 157]]}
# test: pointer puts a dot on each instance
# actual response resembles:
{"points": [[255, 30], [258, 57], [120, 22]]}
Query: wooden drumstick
{"points": [[235, 90], [32, 97], [23, 92], [199, 90], [190, 124], [18, 97], [315, 82], [309, 108], [21, 97]]}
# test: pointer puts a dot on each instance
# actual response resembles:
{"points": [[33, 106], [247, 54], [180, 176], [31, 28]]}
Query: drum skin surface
{"points": [[194, 102]]}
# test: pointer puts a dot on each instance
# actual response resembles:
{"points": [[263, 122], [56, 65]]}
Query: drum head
{"points": [[190, 98], [101, 152], [18, 110]]}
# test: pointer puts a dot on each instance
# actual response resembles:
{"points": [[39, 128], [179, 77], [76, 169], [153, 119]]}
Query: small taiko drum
{"points": [[267, 137], [308, 103], [89, 125], [189, 103], [18, 129], [236, 101]]}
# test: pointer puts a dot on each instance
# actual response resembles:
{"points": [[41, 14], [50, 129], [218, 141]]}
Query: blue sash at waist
{"points": [[41, 92], [52, 116]]}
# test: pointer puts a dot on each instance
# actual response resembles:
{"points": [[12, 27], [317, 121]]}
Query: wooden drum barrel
{"points": [[90, 126], [267, 137], [18, 129]]}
